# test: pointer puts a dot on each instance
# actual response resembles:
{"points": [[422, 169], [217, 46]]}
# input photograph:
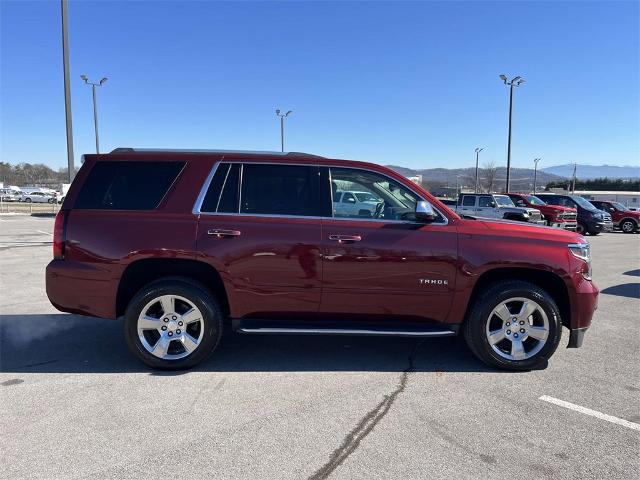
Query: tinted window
{"points": [[127, 185], [222, 196], [468, 201], [485, 201], [280, 190]]}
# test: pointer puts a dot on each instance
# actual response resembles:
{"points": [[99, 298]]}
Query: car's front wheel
{"points": [[173, 324], [513, 325]]}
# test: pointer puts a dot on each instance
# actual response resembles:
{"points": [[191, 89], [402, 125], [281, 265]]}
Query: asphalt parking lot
{"points": [[75, 403]]}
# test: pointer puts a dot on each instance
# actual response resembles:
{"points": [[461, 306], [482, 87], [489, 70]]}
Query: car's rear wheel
{"points": [[27, 200], [513, 325], [173, 324], [628, 226]]}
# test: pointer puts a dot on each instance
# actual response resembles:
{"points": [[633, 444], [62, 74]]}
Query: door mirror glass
{"points": [[425, 212]]}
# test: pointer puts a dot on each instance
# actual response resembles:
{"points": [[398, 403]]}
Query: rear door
{"points": [[260, 227], [467, 205]]}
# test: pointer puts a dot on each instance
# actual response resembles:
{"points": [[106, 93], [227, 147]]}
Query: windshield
{"points": [[583, 203], [503, 201], [533, 200], [620, 207], [366, 197]]}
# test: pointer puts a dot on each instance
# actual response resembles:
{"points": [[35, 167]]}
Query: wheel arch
{"points": [[142, 272], [550, 282]]}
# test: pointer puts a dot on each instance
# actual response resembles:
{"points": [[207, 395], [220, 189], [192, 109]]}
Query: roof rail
{"points": [[180, 150]]}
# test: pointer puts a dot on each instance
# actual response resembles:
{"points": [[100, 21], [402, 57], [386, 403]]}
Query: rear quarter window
{"points": [[127, 185]]}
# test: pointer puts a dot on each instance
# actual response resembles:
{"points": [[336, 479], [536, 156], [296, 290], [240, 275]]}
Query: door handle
{"points": [[345, 238], [220, 233]]}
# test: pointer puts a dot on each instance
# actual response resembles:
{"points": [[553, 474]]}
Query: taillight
{"points": [[59, 234]]}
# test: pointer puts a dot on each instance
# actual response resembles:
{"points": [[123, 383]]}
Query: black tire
{"points": [[27, 200], [480, 313], [581, 229], [194, 292], [628, 226], [593, 232]]}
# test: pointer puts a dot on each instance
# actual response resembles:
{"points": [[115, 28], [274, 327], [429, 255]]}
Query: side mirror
{"points": [[425, 212], [351, 200], [493, 204]]}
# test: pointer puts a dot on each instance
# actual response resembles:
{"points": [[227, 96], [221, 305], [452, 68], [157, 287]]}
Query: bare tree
{"points": [[490, 171]]}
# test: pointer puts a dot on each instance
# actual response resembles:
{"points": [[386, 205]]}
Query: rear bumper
{"points": [[81, 288]]}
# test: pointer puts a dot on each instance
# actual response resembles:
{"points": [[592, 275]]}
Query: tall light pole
{"points": [[95, 107], [67, 90], [515, 82], [478, 150], [282, 117], [535, 173]]}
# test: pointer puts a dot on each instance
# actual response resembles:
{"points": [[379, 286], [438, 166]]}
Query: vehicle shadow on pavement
{"points": [[62, 343], [633, 273], [631, 290]]}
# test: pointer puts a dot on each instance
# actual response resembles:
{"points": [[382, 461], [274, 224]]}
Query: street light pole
{"points": [[95, 106], [535, 173], [515, 82], [67, 90], [478, 150], [282, 117]]}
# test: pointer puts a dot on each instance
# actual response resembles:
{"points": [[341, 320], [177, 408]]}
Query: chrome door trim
{"points": [[197, 208]]}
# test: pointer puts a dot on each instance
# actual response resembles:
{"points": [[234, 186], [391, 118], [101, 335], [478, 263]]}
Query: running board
{"points": [[266, 327]]}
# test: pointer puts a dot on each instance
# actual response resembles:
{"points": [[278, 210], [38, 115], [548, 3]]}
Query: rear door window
{"points": [[127, 185], [468, 201], [269, 189]]}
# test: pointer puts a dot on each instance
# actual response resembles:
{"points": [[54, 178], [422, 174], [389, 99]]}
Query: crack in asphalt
{"points": [[366, 424]]}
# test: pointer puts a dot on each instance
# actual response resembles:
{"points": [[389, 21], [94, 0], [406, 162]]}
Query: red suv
{"points": [[555, 215], [182, 243], [623, 218]]}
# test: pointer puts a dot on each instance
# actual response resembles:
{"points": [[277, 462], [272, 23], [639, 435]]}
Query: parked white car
{"points": [[37, 197], [10, 195], [350, 203]]}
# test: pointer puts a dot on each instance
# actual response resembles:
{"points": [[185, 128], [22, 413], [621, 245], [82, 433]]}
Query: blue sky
{"points": [[413, 84]]}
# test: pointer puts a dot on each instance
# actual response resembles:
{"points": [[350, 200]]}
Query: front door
{"points": [[383, 263], [487, 207], [259, 227]]}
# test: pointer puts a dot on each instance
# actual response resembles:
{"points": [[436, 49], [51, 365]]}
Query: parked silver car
{"points": [[37, 197]]}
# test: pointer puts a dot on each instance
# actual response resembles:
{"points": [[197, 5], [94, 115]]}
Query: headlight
{"points": [[582, 251]]}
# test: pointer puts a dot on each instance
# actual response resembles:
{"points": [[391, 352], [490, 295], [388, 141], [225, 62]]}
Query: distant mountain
{"points": [[586, 172], [521, 178]]}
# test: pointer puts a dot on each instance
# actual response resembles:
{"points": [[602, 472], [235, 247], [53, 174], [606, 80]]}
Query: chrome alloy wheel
{"points": [[170, 327], [517, 328], [628, 226]]}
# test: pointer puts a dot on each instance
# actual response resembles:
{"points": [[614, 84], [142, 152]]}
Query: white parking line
{"points": [[593, 413], [46, 233]]}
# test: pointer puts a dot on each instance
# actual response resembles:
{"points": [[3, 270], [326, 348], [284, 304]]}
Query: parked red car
{"points": [[623, 218], [180, 243], [555, 215]]}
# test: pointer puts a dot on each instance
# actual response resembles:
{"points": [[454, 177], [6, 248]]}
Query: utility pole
{"points": [[515, 82], [535, 173], [95, 107], [282, 116], [478, 150], [573, 187], [67, 90]]}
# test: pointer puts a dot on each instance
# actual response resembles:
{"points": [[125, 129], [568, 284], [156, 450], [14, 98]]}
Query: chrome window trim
{"points": [[197, 208], [205, 188]]}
